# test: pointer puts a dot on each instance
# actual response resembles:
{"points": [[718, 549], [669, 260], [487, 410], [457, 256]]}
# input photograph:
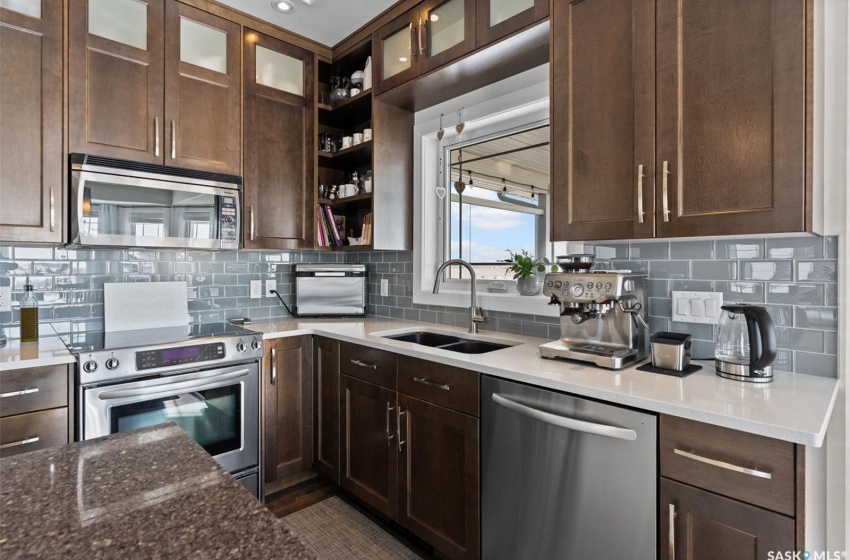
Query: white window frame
{"points": [[520, 102]]}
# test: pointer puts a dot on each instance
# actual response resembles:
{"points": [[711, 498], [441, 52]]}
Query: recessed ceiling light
{"points": [[402, 59], [435, 17], [283, 6]]}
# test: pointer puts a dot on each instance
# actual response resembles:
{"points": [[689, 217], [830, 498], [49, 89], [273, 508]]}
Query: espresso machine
{"points": [[602, 314]]}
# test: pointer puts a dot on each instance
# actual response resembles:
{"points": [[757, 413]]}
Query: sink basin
{"points": [[426, 338], [450, 342], [474, 347]]}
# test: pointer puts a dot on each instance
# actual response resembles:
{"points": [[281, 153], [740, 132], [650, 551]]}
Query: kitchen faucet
{"points": [[476, 314]]}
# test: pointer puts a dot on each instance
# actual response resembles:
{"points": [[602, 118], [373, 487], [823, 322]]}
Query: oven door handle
{"points": [[170, 388]]}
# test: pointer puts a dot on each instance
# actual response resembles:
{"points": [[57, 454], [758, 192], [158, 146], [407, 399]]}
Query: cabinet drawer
{"points": [[36, 430], [31, 389], [368, 364], [747, 467], [447, 386]]}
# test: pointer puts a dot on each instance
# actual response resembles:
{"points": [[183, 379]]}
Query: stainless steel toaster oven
{"points": [[330, 290]]}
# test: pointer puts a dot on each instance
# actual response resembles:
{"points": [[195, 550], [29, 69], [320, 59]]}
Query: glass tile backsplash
{"points": [[794, 278]]}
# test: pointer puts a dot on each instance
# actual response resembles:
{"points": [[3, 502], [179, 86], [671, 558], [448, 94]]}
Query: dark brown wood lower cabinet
{"points": [[369, 459], [707, 526], [326, 406], [287, 407], [438, 477]]}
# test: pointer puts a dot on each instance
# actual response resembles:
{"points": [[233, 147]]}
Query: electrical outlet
{"points": [[697, 307], [385, 287], [271, 285], [5, 298], [256, 289]]}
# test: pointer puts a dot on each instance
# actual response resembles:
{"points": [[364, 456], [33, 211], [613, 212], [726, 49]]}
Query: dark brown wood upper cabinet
{"points": [[116, 79], [326, 406], [731, 155], [396, 51], [32, 174], [287, 390], [279, 144], [698, 129], [496, 19], [446, 32], [164, 87], [603, 123], [203, 89]]}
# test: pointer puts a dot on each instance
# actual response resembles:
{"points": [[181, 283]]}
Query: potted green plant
{"points": [[525, 268]]}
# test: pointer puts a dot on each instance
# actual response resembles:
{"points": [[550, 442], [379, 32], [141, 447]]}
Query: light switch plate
{"points": [[256, 289], [385, 287], [697, 307], [5, 298], [270, 285]]}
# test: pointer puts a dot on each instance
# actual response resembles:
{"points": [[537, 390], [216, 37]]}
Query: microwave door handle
{"points": [[170, 388]]}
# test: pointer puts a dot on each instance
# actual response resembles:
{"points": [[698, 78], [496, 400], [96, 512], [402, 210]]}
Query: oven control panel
{"points": [[179, 355]]}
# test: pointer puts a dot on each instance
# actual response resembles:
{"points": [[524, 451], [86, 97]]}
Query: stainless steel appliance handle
{"points": [[173, 140], [399, 414], [251, 226], [156, 136], [170, 388], [424, 381], [27, 391], [671, 533], [723, 464], [390, 436], [423, 23], [274, 365], [363, 364], [31, 439], [52, 209], [641, 213], [665, 200], [565, 421]]}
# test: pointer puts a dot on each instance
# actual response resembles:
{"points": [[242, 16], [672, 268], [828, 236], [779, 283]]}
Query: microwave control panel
{"points": [[229, 220]]}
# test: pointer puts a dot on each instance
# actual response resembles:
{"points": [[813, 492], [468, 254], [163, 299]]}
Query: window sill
{"points": [[510, 302]]}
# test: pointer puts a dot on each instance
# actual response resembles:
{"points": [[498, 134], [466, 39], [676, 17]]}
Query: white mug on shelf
{"points": [[367, 134], [358, 138], [346, 142], [353, 91], [367, 184], [348, 190]]}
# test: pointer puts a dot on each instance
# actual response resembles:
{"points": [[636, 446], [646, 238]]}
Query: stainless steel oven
{"points": [[126, 204]]}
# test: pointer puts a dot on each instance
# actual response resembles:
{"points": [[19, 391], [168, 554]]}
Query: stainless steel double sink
{"points": [[450, 342]]}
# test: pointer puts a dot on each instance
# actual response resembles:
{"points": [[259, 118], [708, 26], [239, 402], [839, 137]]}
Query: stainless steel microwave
{"points": [[119, 203]]}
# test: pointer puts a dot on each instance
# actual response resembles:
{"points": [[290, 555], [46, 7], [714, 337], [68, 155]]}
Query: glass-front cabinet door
{"points": [[496, 19], [397, 51], [446, 32]]}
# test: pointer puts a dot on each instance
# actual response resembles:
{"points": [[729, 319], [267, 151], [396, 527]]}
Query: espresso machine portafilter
{"points": [[603, 317]]}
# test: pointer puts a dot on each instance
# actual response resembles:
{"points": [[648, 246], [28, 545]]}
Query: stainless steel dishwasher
{"points": [[565, 477]]}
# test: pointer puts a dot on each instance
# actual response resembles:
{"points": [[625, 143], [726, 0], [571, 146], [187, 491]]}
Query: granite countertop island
{"points": [[150, 493]]}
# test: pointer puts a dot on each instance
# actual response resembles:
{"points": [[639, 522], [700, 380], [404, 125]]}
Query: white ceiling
{"points": [[326, 21]]}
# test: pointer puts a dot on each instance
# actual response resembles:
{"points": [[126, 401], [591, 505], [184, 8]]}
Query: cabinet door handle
{"points": [[52, 209], [363, 364], [399, 414], [640, 177], [671, 533], [413, 31], [423, 26], [27, 391], [156, 136], [173, 140], [665, 191], [31, 439], [251, 223], [390, 435], [424, 381], [723, 464], [274, 365]]}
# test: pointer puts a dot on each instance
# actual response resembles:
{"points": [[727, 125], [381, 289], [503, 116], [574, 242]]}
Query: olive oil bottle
{"points": [[29, 315]]}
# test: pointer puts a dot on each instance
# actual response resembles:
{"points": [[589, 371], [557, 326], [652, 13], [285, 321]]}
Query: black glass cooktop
{"points": [[96, 341]]}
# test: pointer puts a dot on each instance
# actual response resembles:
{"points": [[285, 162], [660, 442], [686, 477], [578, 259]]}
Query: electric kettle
{"points": [[746, 344]]}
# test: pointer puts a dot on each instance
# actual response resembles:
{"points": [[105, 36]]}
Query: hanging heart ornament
{"points": [[460, 186], [441, 132], [441, 192], [460, 124]]}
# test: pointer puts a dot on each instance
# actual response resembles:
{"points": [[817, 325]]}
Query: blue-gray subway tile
{"points": [[554, 332], [658, 288], [669, 269], [548, 319], [427, 316], [697, 330], [824, 318], [703, 350], [808, 247], [798, 294], [612, 251], [767, 270], [830, 247], [822, 365], [411, 314], [830, 343], [658, 324], [782, 315], [652, 251], [29, 253], [831, 295], [817, 271], [639, 267], [784, 361], [660, 307], [690, 250], [800, 339], [510, 326], [203, 256], [396, 312], [714, 270], [692, 285], [739, 249], [6, 253], [539, 330], [742, 292]]}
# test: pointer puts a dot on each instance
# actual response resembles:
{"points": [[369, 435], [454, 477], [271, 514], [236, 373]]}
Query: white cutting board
{"points": [[144, 305]]}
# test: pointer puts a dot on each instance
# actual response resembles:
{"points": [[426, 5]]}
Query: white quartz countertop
{"points": [[48, 351], [794, 407]]}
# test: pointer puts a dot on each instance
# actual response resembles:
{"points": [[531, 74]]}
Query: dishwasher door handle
{"points": [[565, 421]]}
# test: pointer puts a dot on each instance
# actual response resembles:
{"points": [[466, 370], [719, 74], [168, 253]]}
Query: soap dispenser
{"points": [[29, 315]]}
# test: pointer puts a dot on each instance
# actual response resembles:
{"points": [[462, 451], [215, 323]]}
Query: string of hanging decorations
{"points": [[501, 184]]}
